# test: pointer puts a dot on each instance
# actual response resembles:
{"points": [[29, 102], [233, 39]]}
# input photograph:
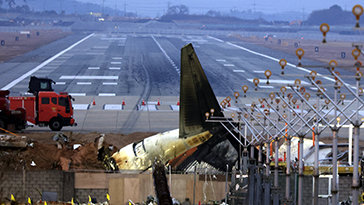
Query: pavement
{"points": [[110, 67]]}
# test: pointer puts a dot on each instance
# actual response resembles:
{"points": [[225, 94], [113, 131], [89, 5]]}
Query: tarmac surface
{"points": [[112, 67]]}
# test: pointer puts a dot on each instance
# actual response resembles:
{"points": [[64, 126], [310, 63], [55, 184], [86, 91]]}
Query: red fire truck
{"points": [[45, 107]]}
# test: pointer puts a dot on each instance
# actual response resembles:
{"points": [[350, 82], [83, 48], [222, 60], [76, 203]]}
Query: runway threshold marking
{"points": [[113, 107], [88, 77], [81, 106], [269, 57], [27, 74], [167, 56]]}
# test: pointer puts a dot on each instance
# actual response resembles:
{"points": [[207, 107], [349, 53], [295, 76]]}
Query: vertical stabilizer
{"points": [[196, 95]]}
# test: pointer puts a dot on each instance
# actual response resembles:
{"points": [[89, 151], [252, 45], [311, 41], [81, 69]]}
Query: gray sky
{"points": [[155, 7]]}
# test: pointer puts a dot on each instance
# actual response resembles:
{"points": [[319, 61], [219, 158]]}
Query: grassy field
{"points": [[15, 43]]}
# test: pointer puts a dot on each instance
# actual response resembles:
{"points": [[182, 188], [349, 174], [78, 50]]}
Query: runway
{"points": [[112, 67]]}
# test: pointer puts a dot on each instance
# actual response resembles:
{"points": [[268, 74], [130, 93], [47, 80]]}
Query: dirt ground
{"points": [[24, 44], [331, 50], [43, 151]]}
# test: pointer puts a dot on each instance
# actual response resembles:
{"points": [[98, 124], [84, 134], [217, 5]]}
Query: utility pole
{"points": [[254, 7], [116, 8], [60, 6], [124, 8]]}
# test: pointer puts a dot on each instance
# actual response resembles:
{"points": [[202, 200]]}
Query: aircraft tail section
{"points": [[196, 95]]}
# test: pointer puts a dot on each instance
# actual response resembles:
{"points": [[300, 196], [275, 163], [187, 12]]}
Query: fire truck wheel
{"points": [[55, 124]]}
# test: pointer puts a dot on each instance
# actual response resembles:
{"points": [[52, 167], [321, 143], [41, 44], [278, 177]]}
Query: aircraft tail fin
{"points": [[196, 95]]}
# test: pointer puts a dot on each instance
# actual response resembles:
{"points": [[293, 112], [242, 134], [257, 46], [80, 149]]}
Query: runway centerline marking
{"points": [[115, 63], [258, 71], [220, 60], [229, 65], [117, 58], [93, 68], [167, 56], [270, 57], [27, 74], [239, 71], [100, 47], [88, 77], [265, 86], [114, 68], [83, 83]]}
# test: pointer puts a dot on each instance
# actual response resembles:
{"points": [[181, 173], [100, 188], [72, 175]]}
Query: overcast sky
{"points": [[158, 7]]}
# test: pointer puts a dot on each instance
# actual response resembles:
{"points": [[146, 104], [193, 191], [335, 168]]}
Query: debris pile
{"points": [[72, 151]]}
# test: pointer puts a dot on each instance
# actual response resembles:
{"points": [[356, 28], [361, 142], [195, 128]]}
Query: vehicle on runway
{"points": [[45, 107]]}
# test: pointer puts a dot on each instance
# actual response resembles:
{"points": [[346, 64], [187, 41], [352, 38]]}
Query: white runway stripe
{"points": [[107, 94], [93, 68], [109, 83], [114, 68], [77, 94], [166, 55], [88, 77], [81, 106], [229, 65], [115, 63], [117, 58], [83, 83], [265, 86], [60, 83], [281, 81], [100, 47]]}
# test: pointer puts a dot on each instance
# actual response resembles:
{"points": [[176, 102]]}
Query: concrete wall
{"points": [[137, 187], [24, 184]]}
